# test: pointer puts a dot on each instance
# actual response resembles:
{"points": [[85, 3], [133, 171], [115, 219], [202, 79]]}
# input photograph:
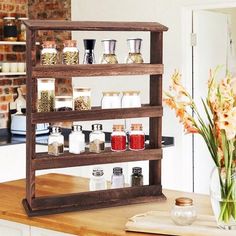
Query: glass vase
{"points": [[223, 197]]}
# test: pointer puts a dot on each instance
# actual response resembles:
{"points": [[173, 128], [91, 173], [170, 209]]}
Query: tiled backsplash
{"points": [[34, 9]]}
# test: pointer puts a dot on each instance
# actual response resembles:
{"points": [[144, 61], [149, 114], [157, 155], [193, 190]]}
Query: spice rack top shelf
{"points": [[45, 161], [66, 71], [95, 25], [97, 113]]}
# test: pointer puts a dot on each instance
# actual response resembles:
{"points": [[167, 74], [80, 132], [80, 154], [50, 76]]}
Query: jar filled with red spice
{"points": [[118, 139], [136, 138]]}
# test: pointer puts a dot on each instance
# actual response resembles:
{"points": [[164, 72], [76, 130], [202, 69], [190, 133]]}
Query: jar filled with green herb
{"points": [[49, 54]]}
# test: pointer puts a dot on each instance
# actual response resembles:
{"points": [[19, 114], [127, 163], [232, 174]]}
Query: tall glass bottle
{"points": [[89, 57], [134, 55], [109, 56]]}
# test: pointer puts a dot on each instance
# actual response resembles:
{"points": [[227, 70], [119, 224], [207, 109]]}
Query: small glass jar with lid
{"points": [[111, 100], [97, 139], [46, 94], [97, 181], [131, 99], [183, 213], [21, 29], [49, 54], [70, 53], [117, 179], [63, 103], [136, 177], [136, 138], [134, 55], [109, 56], [76, 140], [55, 142], [9, 29], [118, 139], [81, 98]]}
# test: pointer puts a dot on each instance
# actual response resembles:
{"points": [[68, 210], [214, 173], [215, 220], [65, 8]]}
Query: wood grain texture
{"points": [[65, 71], [94, 25], [97, 114], [45, 161], [99, 222]]}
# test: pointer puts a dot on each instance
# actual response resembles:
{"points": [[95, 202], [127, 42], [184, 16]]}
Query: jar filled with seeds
{"points": [[46, 94], [82, 98], [55, 142], [63, 103], [70, 53], [49, 54]]}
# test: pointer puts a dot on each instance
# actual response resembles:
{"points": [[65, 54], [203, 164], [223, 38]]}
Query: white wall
{"points": [[177, 165]]}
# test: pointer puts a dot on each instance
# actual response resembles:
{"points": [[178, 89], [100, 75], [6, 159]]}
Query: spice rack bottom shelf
{"points": [[90, 200]]}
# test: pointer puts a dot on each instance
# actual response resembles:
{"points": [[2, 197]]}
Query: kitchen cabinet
{"points": [[35, 231], [9, 228]]}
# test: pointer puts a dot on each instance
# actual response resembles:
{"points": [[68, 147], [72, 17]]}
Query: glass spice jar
{"points": [[46, 94], [134, 55], [76, 140], [131, 99], [97, 139], [111, 100], [136, 177], [9, 29], [117, 179], [63, 103], [109, 56], [70, 53], [118, 139], [183, 213], [49, 54], [21, 29], [81, 98], [97, 181], [136, 138], [55, 142], [89, 57]]}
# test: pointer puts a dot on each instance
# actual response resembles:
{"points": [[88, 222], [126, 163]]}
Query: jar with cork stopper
{"points": [[118, 139], [136, 138], [70, 53], [49, 54]]}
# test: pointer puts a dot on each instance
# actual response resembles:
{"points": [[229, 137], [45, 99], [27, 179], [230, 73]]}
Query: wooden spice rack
{"points": [[43, 205]]}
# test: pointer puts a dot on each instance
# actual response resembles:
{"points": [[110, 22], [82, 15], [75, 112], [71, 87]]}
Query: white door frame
{"points": [[187, 70]]}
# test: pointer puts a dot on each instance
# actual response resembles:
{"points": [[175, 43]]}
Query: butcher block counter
{"points": [[99, 222]]}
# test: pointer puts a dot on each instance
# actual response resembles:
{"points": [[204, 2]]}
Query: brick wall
{"points": [[34, 9]]}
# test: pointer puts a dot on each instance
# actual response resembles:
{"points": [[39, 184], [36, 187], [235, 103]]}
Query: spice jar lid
{"points": [[46, 80], [137, 170], [183, 201], [63, 98], [111, 93], [89, 44], [118, 127], [70, 43], [117, 171], [77, 128], [82, 89], [98, 171], [9, 18], [96, 127], [131, 93], [49, 44], [23, 18], [56, 129], [136, 127]]}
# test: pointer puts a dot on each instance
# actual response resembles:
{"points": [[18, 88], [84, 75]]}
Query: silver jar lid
{"points": [[98, 171], [77, 128], [96, 127], [56, 129], [134, 44], [109, 46]]}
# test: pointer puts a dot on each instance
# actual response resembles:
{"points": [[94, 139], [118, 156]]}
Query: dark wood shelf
{"points": [[95, 25], [97, 114], [65, 71], [45, 161]]}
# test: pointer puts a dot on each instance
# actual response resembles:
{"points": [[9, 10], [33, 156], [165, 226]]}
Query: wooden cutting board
{"points": [[159, 222]]}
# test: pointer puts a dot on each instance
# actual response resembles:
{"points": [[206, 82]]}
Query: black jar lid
{"points": [[137, 170], [89, 44], [117, 171]]}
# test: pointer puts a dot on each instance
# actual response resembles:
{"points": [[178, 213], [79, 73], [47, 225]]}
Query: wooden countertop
{"points": [[101, 222]]}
